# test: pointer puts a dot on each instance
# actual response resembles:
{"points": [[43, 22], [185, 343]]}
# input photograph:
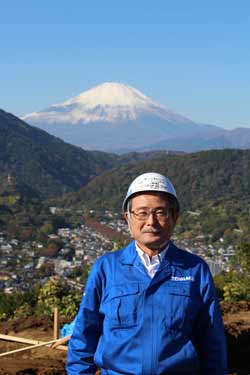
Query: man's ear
{"points": [[126, 216], [127, 220]]}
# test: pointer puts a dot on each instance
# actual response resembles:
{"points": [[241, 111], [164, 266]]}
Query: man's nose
{"points": [[151, 218]]}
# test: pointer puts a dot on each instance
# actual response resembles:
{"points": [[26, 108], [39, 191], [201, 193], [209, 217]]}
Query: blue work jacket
{"points": [[129, 323]]}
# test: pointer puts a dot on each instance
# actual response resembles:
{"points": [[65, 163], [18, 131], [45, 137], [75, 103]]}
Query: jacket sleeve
{"points": [[210, 334], [87, 330]]}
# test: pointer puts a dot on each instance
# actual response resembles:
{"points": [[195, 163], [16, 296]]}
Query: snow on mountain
{"points": [[113, 94], [109, 102]]}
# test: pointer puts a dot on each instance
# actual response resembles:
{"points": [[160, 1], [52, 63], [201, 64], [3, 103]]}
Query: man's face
{"points": [[151, 234]]}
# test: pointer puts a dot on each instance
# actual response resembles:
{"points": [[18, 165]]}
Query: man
{"points": [[151, 307]]}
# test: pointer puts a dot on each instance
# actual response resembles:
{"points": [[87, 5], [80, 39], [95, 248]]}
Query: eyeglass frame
{"points": [[152, 211]]}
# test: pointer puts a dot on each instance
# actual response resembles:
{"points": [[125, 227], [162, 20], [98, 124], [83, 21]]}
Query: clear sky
{"points": [[191, 56]]}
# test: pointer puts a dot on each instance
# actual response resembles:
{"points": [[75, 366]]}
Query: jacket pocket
{"points": [[122, 305], [178, 303]]}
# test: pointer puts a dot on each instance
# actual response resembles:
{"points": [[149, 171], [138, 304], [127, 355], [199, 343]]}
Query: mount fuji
{"points": [[115, 117]]}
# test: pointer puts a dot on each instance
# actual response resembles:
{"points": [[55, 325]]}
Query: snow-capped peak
{"points": [[112, 94], [108, 102]]}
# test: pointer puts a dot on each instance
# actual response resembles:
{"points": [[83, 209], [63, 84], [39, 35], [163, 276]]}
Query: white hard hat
{"points": [[149, 182]]}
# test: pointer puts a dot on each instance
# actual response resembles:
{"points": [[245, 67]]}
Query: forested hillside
{"points": [[42, 163], [219, 175]]}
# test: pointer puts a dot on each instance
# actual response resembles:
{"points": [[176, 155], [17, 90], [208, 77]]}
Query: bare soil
{"points": [[236, 317], [38, 361], [48, 361]]}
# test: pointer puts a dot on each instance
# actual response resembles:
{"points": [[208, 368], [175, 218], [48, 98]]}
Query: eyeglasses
{"points": [[143, 214]]}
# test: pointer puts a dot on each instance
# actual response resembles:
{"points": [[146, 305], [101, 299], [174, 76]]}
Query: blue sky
{"points": [[191, 56]]}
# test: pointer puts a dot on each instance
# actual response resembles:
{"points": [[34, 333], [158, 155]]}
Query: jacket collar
{"points": [[129, 254], [173, 255]]}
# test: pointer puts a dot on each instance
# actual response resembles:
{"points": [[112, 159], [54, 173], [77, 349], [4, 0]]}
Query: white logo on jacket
{"points": [[182, 278]]}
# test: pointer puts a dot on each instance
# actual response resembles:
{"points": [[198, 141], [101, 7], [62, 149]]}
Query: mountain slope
{"points": [[119, 118], [41, 163], [221, 175]]}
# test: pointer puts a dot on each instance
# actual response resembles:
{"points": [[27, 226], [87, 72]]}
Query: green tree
{"points": [[70, 305], [238, 286], [17, 304], [55, 293]]}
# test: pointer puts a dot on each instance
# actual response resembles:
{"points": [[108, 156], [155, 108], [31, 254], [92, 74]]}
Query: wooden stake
{"points": [[56, 325]]}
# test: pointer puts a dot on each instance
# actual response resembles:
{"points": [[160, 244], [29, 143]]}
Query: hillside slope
{"points": [[198, 178], [37, 161]]}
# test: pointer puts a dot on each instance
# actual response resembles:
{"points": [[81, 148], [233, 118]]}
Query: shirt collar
{"points": [[158, 258]]}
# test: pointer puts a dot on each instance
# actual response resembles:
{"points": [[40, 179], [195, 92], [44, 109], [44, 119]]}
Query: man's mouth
{"points": [[152, 231]]}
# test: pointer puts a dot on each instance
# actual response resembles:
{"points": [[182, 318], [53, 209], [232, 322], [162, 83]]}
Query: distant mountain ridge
{"points": [[115, 117], [238, 138]]}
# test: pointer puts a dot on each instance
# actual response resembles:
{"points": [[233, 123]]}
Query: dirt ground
{"points": [[236, 317], [39, 361], [48, 361]]}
